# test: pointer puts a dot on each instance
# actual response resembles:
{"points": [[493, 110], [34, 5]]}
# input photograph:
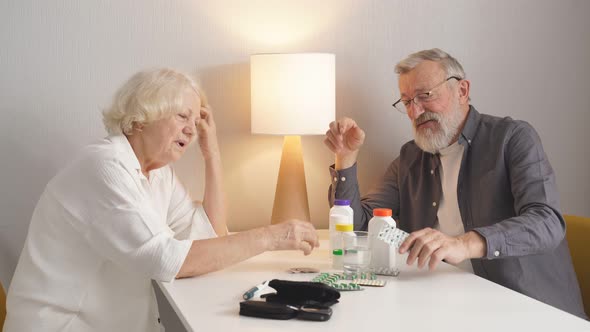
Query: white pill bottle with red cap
{"points": [[383, 256]]}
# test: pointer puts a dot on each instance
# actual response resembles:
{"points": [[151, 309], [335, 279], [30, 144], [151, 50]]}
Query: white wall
{"points": [[61, 61]]}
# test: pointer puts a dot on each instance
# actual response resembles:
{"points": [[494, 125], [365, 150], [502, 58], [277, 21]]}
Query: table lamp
{"points": [[292, 95]]}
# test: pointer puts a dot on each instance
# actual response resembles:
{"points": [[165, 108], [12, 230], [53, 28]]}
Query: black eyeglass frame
{"points": [[428, 93]]}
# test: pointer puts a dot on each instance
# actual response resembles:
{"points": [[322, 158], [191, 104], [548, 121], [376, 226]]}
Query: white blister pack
{"points": [[392, 235]]}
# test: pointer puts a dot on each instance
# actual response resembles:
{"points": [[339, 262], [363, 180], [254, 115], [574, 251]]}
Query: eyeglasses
{"points": [[402, 105]]}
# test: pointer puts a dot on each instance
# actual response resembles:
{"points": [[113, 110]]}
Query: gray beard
{"points": [[433, 141]]}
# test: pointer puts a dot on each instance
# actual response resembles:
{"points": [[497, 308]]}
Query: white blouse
{"points": [[100, 231]]}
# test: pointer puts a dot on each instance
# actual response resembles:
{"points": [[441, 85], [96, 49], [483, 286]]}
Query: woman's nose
{"points": [[190, 129]]}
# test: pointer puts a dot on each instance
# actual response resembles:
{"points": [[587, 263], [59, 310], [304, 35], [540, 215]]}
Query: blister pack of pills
{"points": [[335, 280], [386, 271], [392, 235], [343, 282], [371, 282]]}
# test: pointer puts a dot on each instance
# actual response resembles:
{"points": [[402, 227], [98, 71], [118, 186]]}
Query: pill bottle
{"points": [[340, 210], [383, 256], [338, 251]]}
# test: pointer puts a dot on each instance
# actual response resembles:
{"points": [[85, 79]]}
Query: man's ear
{"points": [[464, 86]]}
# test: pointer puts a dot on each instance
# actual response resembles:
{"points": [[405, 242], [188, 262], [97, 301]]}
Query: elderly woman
{"points": [[117, 217]]}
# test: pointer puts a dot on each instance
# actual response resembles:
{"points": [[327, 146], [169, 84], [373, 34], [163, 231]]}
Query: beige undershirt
{"points": [[449, 217]]}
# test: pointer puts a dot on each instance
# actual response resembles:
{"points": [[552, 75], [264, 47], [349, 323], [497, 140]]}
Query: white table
{"points": [[447, 299]]}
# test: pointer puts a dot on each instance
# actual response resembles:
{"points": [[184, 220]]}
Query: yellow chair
{"points": [[2, 307], [578, 235]]}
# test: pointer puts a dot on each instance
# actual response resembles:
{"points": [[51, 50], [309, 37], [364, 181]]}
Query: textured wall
{"points": [[61, 61]]}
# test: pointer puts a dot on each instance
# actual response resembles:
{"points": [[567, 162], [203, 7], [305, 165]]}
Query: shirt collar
{"points": [[470, 128], [127, 155]]}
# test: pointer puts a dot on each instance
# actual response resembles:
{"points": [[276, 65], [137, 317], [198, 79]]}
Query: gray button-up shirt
{"points": [[506, 192]]}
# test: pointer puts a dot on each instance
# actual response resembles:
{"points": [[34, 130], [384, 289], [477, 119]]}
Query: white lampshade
{"points": [[292, 94]]}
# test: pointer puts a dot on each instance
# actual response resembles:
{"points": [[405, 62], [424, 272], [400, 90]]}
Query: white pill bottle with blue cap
{"points": [[341, 213]]}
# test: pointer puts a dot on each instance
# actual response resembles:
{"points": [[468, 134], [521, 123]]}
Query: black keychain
{"points": [[262, 309], [313, 312]]}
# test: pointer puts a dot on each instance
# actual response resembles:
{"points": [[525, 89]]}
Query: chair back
{"points": [[578, 235], [2, 307]]}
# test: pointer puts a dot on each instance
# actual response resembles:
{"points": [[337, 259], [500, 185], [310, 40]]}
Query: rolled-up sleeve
{"points": [[187, 218], [138, 241], [122, 223]]}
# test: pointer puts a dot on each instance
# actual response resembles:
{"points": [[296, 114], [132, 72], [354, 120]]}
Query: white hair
{"points": [[148, 96], [450, 65]]}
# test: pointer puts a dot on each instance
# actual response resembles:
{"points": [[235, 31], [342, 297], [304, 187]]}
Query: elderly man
{"points": [[475, 190]]}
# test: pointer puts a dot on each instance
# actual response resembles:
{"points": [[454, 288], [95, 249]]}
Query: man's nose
{"points": [[414, 110]]}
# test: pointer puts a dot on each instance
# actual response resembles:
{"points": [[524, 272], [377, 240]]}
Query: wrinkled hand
{"points": [[344, 138], [432, 246], [293, 235], [207, 134]]}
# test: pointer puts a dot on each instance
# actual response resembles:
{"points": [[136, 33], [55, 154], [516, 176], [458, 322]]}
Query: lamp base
{"points": [[291, 192]]}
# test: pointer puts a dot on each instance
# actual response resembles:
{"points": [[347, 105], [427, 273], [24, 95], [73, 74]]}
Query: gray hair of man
{"points": [[451, 66], [148, 96]]}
